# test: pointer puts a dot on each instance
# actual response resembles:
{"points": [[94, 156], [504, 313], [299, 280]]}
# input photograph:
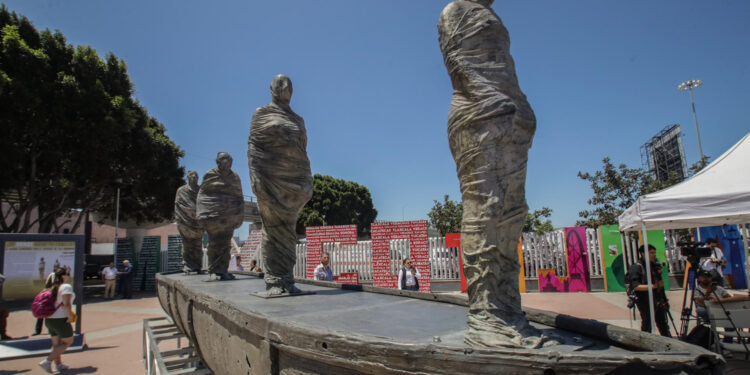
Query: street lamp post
{"points": [[117, 214], [117, 181], [689, 86]]}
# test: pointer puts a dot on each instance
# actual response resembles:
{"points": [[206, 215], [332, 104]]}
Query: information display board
{"points": [[27, 264], [27, 259]]}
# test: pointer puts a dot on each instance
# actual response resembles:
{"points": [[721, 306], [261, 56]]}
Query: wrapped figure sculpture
{"points": [[281, 180], [490, 129], [220, 211]]}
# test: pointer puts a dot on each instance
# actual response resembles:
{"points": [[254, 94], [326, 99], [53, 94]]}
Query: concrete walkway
{"points": [[113, 329]]}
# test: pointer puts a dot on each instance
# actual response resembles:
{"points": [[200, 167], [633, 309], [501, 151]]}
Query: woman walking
{"points": [[58, 324]]}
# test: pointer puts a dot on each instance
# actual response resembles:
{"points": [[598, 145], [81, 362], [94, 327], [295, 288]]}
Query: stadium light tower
{"points": [[689, 86]]}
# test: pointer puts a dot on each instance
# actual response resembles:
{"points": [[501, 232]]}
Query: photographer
{"points": [[707, 289], [715, 262], [638, 287]]}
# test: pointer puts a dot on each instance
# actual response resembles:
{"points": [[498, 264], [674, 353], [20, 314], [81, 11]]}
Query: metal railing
{"points": [[182, 360]]}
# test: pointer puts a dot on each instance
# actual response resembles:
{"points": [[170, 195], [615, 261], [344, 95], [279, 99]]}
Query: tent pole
{"points": [[647, 260], [625, 267], [747, 257]]}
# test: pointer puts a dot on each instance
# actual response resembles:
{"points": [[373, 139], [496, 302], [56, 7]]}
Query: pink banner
{"points": [[578, 265], [416, 233], [317, 236]]}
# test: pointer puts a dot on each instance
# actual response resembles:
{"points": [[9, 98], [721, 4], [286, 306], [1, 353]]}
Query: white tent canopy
{"points": [[719, 194]]}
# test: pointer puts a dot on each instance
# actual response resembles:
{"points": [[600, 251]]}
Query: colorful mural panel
{"points": [[550, 282], [578, 266], [612, 258]]}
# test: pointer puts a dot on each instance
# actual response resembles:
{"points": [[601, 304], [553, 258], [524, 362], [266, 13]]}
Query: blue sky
{"points": [[369, 80]]}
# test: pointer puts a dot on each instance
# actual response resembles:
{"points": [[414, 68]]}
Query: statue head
{"points": [[281, 89], [192, 177], [487, 3], [224, 161]]}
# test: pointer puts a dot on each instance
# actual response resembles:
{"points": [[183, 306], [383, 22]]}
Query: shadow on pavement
{"points": [[82, 370]]}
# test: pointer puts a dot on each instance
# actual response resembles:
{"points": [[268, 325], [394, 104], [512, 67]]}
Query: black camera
{"points": [[632, 298], [694, 251]]}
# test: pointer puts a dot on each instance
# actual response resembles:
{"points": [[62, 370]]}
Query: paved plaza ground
{"points": [[113, 329]]}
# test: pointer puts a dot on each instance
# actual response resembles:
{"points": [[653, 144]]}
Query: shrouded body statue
{"points": [[187, 223], [281, 180], [220, 211], [490, 128]]}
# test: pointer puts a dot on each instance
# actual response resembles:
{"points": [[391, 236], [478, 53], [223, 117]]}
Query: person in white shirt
{"points": [[322, 271], [408, 276], [109, 274], [58, 324], [715, 262]]}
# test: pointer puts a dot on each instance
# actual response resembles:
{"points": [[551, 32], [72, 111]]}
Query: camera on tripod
{"points": [[632, 298], [694, 251]]}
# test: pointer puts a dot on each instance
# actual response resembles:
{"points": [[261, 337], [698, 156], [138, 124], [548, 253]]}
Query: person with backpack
{"points": [[408, 276], [638, 287], [59, 296]]}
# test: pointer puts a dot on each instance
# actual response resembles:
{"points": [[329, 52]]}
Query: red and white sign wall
{"points": [[317, 236], [382, 234]]}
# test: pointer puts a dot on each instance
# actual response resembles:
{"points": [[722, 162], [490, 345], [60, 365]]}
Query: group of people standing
{"points": [[110, 274], [408, 275], [709, 285]]}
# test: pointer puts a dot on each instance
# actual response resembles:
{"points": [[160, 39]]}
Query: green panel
{"points": [[612, 258], [656, 238]]}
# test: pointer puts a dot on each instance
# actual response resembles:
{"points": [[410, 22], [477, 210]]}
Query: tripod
{"points": [[664, 302], [686, 312], [734, 326]]}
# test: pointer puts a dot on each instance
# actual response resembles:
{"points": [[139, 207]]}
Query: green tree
{"points": [[616, 189], [73, 133], [698, 165], [536, 224], [446, 217], [338, 202]]}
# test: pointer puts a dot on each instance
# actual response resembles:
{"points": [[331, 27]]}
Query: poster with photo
{"points": [[27, 264]]}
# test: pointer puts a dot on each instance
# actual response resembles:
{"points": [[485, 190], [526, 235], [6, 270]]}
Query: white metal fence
{"points": [[544, 251], [540, 251]]}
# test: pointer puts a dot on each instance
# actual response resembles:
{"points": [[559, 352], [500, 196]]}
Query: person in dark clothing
{"points": [[637, 284], [4, 313], [126, 279]]}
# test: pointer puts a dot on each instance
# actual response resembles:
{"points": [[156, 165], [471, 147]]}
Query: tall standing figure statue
{"points": [[281, 180], [220, 211], [490, 128], [187, 224]]}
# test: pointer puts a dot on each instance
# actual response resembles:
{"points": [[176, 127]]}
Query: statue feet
{"points": [[220, 276], [277, 286], [278, 290], [489, 331], [187, 270]]}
